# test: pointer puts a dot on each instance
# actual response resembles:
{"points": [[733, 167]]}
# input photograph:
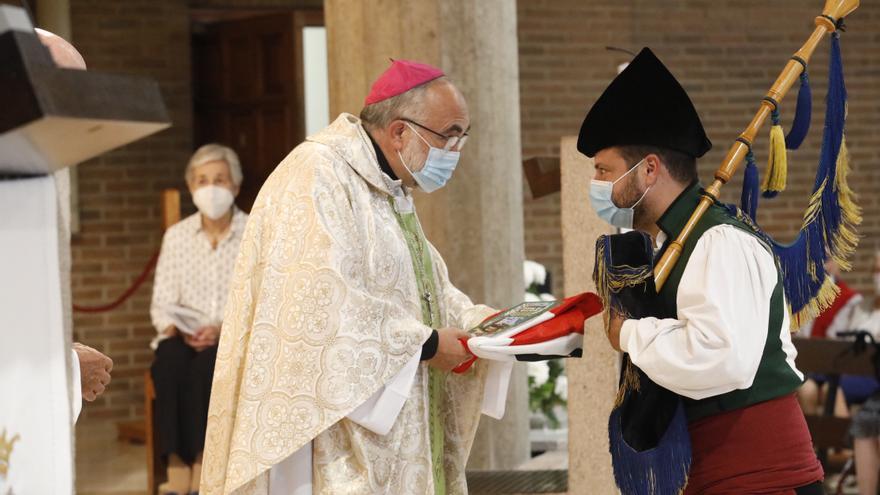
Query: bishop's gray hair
{"points": [[409, 105]]}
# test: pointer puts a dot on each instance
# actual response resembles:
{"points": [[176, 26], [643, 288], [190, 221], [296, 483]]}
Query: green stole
{"points": [[424, 271]]}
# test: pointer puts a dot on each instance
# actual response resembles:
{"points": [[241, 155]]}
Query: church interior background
{"points": [[260, 75]]}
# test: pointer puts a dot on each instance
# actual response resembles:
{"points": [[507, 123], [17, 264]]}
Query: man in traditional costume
{"points": [[341, 322], [719, 335]]}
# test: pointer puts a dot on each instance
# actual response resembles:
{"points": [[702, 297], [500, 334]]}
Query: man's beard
{"points": [[630, 194]]}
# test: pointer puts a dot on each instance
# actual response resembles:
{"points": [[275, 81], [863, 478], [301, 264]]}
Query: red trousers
{"points": [[761, 449]]}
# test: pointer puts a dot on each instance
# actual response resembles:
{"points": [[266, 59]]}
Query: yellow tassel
{"points": [[845, 242], [777, 164], [630, 383], [599, 274], [842, 245], [827, 294]]}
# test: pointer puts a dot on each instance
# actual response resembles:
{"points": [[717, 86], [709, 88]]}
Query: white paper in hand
{"points": [[187, 320]]}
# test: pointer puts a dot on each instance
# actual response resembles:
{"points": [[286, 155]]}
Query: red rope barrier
{"points": [[125, 295]]}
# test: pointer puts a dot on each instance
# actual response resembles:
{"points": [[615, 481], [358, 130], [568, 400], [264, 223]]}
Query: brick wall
{"points": [[119, 192], [726, 53]]}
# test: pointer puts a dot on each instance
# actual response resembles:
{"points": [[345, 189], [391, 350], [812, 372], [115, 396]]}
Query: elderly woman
{"points": [[189, 293]]}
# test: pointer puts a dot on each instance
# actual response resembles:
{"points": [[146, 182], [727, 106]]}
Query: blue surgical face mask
{"points": [[601, 192], [438, 169]]}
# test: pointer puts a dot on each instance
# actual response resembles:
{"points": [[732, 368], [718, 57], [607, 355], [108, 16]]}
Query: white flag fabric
{"points": [[36, 420]]}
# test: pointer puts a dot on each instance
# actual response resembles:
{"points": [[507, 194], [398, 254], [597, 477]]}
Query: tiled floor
{"points": [[105, 466]]}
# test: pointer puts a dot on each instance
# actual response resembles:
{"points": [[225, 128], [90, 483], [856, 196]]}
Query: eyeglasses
{"points": [[453, 143]]}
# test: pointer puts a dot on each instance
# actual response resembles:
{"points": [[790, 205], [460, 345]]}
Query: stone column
{"points": [[592, 380], [54, 15], [475, 222]]}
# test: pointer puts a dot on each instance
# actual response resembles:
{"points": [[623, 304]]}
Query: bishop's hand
{"points": [[94, 371], [450, 351]]}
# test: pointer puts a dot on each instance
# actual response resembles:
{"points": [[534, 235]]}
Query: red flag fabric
{"points": [[570, 318]]}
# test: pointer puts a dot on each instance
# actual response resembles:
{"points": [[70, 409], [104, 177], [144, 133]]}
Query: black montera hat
{"points": [[644, 105]]}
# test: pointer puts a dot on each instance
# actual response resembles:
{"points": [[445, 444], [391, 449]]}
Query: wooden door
{"points": [[248, 91]]}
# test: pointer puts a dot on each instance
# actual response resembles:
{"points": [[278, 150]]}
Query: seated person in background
{"points": [[843, 315], [869, 320], [839, 316], [195, 264], [865, 427]]}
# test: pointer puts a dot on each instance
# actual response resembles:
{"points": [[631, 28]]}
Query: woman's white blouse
{"points": [[191, 273]]}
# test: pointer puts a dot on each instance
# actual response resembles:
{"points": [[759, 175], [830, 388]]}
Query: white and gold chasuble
{"points": [[326, 308]]}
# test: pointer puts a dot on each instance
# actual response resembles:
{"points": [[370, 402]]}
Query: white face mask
{"points": [[213, 201], [601, 192]]}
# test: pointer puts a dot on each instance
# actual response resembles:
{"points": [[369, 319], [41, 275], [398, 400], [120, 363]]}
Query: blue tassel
{"points": [[662, 470], [831, 141], [749, 197], [802, 114], [827, 229], [796, 260], [802, 262]]}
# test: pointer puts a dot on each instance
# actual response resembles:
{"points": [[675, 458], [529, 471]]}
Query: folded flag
{"points": [[533, 331]]}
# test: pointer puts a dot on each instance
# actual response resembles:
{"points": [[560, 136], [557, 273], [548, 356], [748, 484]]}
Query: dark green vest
{"points": [[775, 377]]}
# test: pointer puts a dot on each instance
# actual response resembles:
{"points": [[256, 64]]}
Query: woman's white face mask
{"points": [[601, 198], [213, 201]]}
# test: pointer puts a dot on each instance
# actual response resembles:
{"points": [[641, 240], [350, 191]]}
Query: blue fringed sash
{"points": [[662, 470]]}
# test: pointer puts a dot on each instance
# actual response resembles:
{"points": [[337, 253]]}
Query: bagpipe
{"points": [[828, 228], [648, 429]]}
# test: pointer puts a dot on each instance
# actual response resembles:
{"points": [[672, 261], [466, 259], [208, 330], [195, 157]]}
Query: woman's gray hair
{"points": [[215, 152], [408, 104]]}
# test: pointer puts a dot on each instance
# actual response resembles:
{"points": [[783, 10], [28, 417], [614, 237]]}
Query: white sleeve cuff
{"points": [[626, 331], [75, 385], [380, 411]]}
